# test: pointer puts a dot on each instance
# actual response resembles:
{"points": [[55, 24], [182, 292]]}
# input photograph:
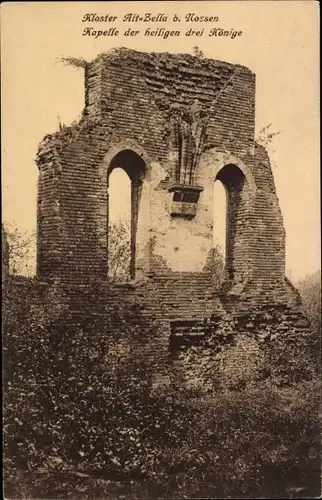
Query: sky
{"points": [[279, 42]]}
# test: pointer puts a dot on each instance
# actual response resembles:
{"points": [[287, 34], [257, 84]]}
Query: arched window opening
{"points": [[125, 177], [232, 180], [219, 229], [119, 225]]}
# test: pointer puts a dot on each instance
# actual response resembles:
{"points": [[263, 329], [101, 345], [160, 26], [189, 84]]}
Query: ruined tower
{"points": [[175, 124]]}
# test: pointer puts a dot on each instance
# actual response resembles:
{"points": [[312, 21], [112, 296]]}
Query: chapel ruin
{"points": [[175, 123]]}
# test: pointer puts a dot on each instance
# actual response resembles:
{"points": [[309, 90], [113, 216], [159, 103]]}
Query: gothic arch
{"points": [[239, 185], [123, 145], [224, 159], [135, 167]]}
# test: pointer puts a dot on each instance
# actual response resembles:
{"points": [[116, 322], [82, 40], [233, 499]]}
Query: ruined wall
{"points": [[175, 124], [187, 119], [173, 329]]}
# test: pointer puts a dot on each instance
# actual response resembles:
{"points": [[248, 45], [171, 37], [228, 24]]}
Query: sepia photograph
{"points": [[161, 276]]}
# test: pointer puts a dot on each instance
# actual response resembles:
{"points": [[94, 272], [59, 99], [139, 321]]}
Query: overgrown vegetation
{"points": [[310, 290], [266, 136], [21, 248], [119, 250], [82, 422], [76, 62]]}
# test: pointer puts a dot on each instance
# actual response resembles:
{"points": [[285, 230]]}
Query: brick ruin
{"points": [[175, 124]]}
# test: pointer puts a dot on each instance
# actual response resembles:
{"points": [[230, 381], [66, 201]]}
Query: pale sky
{"points": [[279, 42]]}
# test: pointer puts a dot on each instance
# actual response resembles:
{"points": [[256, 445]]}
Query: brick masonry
{"points": [[175, 124]]}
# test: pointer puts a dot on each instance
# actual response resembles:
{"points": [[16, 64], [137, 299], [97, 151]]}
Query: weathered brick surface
{"points": [[175, 123]]}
